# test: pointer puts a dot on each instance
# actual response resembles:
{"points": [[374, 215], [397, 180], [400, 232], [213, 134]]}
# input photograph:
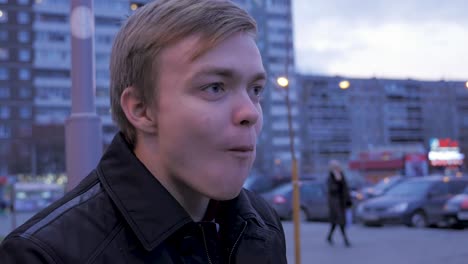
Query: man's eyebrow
{"points": [[261, 76], [228, 73]]}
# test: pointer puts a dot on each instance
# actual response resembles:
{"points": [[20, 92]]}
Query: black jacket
{"points": [[120, 213], [338, 199]]}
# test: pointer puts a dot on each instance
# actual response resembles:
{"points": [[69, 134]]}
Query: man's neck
{"points": [[193, 202]]}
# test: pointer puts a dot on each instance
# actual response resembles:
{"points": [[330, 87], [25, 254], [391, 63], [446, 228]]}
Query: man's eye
{"points": [[257, 91], [214, 88]]}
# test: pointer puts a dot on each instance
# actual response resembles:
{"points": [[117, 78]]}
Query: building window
{"points": [[51, 18], [23, 36], [4, 112], [25, 92], [22, 17], [104, 39], [3, 35], [5, 131], [4, 74], [102, 75], [4, 92], [24, 55], [25, 112], [57, 37], [4, 54], [24, 74]]}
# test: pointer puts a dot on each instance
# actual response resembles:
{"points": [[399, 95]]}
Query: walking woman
{"points": [[338, 201]]}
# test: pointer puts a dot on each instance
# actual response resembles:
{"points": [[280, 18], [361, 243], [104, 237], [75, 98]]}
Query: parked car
{"points": [[415, 202], [313, 200], [456, 210], [260, 183], [379, 188]]}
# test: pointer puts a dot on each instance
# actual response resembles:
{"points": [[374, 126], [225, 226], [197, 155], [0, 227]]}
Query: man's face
{"points": [[209, 115]]}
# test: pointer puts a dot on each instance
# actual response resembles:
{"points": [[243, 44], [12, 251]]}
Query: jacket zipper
{"points": [[206, 246], [237, 241]]}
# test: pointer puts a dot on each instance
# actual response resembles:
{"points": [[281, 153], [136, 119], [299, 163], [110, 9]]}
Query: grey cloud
{"points": [[383, 11], [317, 62]]}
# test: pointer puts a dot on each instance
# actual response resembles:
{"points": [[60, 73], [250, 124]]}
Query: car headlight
{"points": [[451, 207], [401, 207]]}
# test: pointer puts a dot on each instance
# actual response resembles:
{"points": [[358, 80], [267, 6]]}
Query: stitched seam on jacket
{"points": [[61, 210], [43, 246], [273, 227], [102, 246]]}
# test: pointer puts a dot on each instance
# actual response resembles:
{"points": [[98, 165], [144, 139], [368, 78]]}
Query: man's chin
{"points": [[226, 195]]}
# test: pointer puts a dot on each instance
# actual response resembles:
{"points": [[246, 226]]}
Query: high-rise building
{"points": [[16, 85], [376, 114]]}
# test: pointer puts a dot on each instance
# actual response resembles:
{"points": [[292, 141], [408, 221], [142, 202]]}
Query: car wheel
{"points": [[418, 219]]}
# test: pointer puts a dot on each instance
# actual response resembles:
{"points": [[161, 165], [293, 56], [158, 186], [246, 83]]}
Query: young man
{"points": [[186, 81]]}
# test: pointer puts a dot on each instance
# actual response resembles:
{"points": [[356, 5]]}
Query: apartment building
{"points": [[16, 85]]}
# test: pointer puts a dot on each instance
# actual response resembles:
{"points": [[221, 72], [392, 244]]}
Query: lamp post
{"points": [[283, 82], [83, 133]]}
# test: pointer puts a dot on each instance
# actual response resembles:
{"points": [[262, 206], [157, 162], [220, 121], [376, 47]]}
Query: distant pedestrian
{"points": [[338, 201]]}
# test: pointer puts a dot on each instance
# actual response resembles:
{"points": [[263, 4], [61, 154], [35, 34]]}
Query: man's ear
{"points": [[137, 111]]}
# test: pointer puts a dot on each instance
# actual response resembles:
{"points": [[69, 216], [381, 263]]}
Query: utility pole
{"points": [[284, 82], [83, 130]]}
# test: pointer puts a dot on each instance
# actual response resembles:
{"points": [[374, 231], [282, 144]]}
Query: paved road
{"points": [[385, 245]]}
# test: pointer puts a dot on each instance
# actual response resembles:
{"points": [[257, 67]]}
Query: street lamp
{"points": [[344, 85], [466, 85], [283, 82]]}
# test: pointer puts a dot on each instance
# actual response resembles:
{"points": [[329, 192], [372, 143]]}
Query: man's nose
{"points": [[247, 112]]}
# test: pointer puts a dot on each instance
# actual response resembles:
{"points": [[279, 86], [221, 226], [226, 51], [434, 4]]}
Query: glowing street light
{"points": [[133, 7], [344, 85], [466, 85], [1, 13], [282, 81]]}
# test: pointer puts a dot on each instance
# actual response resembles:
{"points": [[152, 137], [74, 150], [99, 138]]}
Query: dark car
{"points": [[456, 210], [313, 200], [415, 202], [380, 187], [260, 183]]}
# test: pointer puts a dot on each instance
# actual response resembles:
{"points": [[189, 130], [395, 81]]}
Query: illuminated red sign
{"points": [[448, 143]]}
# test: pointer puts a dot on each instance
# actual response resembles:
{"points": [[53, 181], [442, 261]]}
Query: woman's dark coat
{"points": [[338, 199]]}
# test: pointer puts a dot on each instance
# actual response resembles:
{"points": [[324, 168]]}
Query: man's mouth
{"points": [[242, 148]]}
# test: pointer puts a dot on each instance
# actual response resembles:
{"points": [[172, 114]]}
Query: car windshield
{"points": [[410, 189], [282, 189], [385, 184]]}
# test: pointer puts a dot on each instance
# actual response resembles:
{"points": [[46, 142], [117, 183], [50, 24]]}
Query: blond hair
{"points": [[334, 165], [134, 56]]}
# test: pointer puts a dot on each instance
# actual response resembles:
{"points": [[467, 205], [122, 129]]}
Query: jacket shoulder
{"points": [[82, 219]]}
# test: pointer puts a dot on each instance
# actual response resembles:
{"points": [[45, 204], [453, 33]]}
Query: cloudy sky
{"points": [[419, 39]]}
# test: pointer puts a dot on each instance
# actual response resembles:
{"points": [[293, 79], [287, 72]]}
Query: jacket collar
{"points": [[149, 209]]}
